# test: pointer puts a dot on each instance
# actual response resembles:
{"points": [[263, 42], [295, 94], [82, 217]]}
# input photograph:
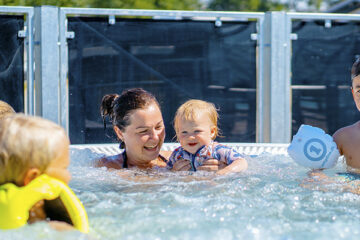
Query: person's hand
{"points": [[61, 226], [37, 212], [211, 165], [317, 175], [182, 165]]}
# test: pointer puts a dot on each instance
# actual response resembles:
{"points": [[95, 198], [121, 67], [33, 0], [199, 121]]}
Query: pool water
{"points": [[274, 199]]}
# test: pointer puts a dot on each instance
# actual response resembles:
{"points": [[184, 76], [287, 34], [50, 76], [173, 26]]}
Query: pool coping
{"points": [[251, 149]]}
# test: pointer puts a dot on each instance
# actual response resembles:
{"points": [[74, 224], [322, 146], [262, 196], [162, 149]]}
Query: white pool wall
{"points": [[252, 149]]}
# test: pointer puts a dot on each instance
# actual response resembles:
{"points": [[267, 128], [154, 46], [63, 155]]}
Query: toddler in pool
{"points": [[34, 156], [196, 128]]}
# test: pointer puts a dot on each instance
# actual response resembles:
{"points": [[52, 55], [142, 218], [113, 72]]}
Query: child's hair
{"points": [[27, 142], [191, 109], [355, 70], [5, 109]]}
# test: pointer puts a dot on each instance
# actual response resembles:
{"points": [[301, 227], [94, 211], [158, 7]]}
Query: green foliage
{"points": [[147, 4], [244, 5], [217, 5], [130, 4]]}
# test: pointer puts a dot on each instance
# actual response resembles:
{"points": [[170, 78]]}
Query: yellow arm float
{"points": [[16, 202]]}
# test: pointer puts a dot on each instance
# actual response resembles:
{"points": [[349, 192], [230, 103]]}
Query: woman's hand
{"points": [[211, 165], [182, 165]]}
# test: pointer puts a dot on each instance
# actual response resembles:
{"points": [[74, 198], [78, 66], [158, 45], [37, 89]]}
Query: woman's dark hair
{"points": [[118, 107]]}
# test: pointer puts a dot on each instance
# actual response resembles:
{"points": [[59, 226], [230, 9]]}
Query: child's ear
{"points": [[213, 132], [30, 175]]}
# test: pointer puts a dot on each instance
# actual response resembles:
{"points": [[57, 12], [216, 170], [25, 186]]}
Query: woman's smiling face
{"points": [[144, 136]]}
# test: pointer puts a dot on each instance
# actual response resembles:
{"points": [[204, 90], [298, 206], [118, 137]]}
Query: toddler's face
{"points": [[193, 134], [58, 167]]}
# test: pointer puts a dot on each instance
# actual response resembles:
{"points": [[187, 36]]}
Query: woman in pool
{"points": [[137, 121]]}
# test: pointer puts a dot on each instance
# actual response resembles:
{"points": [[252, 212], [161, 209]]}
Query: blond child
{"points": [[34, 156], [347, 138], [196, 128], [5, 109]]}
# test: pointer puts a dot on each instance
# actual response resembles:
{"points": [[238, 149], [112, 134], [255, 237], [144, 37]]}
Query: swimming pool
{"points": [[266, 202]]}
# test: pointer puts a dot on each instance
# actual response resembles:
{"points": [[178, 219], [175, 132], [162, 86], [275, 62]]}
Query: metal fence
{"points": [[267, 72]]}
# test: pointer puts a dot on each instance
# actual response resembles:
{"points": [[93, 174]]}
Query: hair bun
{"points": [[107, 101]]}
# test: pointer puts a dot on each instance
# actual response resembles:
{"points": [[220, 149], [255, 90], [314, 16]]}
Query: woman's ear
{"points": [[118, 132], [30, 175]]}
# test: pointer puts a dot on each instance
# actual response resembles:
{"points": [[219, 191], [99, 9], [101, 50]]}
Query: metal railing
{"points": [[47, 83], [28, 34]]}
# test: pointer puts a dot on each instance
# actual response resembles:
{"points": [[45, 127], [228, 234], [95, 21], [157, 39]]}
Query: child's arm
{"points": [[238, 165], [234, 160]]}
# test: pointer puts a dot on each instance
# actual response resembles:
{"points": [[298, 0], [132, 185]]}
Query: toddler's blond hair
{"points": [[27, 142], [5, 109], [191, 109]]}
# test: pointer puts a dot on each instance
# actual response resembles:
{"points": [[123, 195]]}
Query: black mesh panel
{"points": [[321, 61], [11, 62], [175, 60]]}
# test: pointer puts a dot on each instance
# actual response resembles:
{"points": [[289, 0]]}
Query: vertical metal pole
{"points": [[64, 83], [275, 90], [29, 63], [260, 129], [47, 100]]}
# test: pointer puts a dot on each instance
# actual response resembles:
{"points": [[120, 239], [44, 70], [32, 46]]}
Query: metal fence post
{"points": [[64, 83], [275, 90], [47, 100]]}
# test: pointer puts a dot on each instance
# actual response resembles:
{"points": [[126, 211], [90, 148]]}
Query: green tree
{"points": [[130, 4], [317, 3], [244, 5], [147, 4]]}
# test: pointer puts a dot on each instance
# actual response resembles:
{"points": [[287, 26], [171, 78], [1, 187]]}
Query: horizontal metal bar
{"points": [[7, 9], [242, 89], [163, 13], [308, 87], [324, 16], [316, 87]]}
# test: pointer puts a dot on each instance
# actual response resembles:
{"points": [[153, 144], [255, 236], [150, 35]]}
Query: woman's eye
{"points": [[184, 132]]}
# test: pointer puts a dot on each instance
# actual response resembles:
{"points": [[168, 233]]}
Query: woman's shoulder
{"points": [[165, 155], [115, 161]]}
